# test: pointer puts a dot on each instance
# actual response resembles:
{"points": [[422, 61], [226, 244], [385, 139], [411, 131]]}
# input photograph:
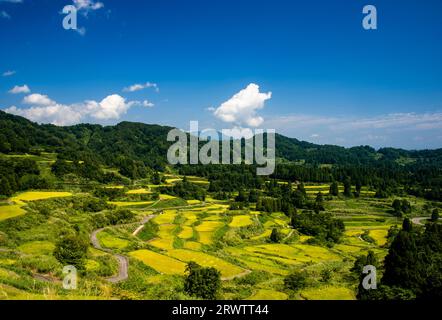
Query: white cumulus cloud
{"points": [[242, 107], [138, 86], [45, 110], [87, 5], [20, 89]]}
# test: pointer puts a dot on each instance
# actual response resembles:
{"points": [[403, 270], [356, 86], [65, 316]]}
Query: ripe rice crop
{"points": [[227, 269], [159, 262], [241, 221]]}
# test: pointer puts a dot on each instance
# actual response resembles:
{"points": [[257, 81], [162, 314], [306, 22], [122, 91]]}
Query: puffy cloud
{"points": [[20, 89], [8, 73], [57, 114], [45, 110], [38, 99], [147, 104], [87, 5], [111, 107], [137, 87], [242, 107]]}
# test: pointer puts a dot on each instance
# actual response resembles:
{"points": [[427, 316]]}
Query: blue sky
{"points": [[305, 68]]}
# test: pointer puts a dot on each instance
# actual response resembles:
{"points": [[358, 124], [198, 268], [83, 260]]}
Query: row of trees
{"points": [[20, 174], [412, 267]]}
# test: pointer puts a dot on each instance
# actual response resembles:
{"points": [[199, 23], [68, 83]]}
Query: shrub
{"points": [[296, 280], [202, 282], [71, 250]]}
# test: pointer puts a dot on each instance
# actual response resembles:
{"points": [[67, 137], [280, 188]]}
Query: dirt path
{"points": [[239, 275], [123, 267], [289, 235], [418, 220], [123, 261], [143, 222]]}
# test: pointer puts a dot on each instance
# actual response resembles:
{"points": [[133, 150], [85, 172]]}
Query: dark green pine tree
{"points": [[5, 187], [347, 187], [435, 215], [334, 189]]}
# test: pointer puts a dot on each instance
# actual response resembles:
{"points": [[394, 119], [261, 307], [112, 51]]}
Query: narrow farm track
{"points": [[242, 274], [123, 261], [143, 222], [418, 220]]}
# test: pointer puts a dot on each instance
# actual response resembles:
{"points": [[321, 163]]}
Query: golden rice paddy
{"points": [[159, 262]]}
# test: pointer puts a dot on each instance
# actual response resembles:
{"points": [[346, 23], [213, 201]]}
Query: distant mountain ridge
{"points": [[148, 143]]}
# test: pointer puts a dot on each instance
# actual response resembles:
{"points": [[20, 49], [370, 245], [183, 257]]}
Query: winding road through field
{"points": [[123, 261]]}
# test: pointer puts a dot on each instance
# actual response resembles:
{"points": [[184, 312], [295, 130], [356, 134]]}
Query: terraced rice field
{"points": [[328, 293], [257, 262], [206, 230], [379, 235], [293, 254], [227, 269], [130, 203], [192, 245], [186, 232], [37, 247], [165, 237], [109, 241], [264, 294], [10, 211], [161, 263], [167, 217], [193, 202], [38, 195], [241, 221], [166, 197], [139, 191]]}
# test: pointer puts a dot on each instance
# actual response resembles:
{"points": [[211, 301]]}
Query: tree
{"points": [[369, 260], [407, 225], [296, 280], [362, 261], [241, 197], [5, 188], [397, 207], [347, 187], [334, 189], [156, 178], [405, 206], [202, 282], [301, 188], [71, 250], [435, 215], [358, 187], [275, 236]]}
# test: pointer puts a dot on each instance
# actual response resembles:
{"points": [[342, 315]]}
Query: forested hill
{"points": [[147, 143]]}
